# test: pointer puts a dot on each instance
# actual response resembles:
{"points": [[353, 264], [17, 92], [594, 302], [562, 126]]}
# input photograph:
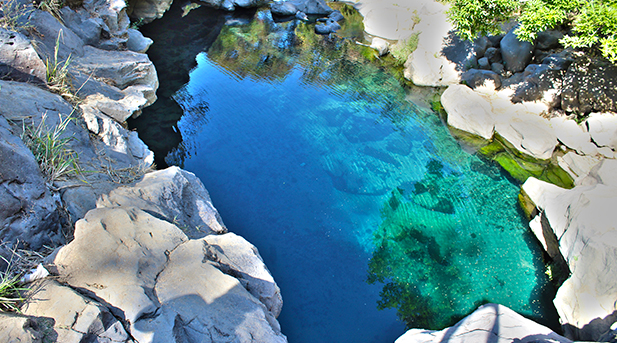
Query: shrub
{"points": [[593, 23], [50, 150]]}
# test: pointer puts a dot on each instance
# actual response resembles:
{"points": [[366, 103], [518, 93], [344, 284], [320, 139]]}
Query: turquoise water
{"points": [[370, 216]]}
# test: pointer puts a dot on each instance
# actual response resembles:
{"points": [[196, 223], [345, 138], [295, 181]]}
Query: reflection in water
{"points": [[311, 149]]}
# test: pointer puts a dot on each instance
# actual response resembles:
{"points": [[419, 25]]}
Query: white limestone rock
{"points": [[468, 111], [579, 167], [489, 323], [381, 45], [603, 129], [573, 135], [583, 220]]}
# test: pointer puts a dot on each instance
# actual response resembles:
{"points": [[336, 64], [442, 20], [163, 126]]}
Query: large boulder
{"points": [[516, 54], [489, 323], [175, 195], [583, 221], [163, 285], [468, 111], [603, 130]]}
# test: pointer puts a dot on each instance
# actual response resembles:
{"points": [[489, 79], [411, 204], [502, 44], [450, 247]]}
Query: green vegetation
{"points": [[10, 288], [50, 149], [593, 23], [14, 15], [401, 50], [57, 74]]}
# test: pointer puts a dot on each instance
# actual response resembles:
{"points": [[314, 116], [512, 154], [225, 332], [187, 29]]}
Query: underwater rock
{"points": [[360, 130]]}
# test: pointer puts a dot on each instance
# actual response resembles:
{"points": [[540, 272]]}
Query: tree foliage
{"points": [[589, 23]]}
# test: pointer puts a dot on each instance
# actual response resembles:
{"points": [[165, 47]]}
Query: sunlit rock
{"points": [[583, 220], [489, 323]]}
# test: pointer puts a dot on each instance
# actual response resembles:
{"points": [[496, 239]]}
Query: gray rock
{"points": [[559, 61], [483, 63], [26, 329], [137, 42], [583, 220], [175, 195], [336, 16], [493, 55], [236, 256], [49, 30], [283, 8], [590, 85], [29, 212], [82, 24], [116, 21], [489, 323], [475, 78], [163, 285], [516, 54], [76, 318], [121, 69], [18, 59], [549, 39]]}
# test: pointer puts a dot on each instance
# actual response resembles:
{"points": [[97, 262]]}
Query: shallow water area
{"points": [[315, 152]]}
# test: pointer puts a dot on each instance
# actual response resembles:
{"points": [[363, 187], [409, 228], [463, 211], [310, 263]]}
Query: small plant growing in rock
{"points": [[50, 149], [10, 288], [57, 74]]}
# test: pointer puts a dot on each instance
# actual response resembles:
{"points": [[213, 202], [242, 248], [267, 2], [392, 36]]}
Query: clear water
{"points": [[362, 205]]}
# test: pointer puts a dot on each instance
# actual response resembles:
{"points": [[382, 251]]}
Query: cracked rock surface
{"points": [[167, 288]]}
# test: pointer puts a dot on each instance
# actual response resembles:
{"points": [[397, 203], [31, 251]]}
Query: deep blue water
{"points": [[339, 174]]}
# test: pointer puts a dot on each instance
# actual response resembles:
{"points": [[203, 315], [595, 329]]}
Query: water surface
{"points": [[368, 213]]}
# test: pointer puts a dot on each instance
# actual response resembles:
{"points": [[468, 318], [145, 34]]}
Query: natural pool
{"points": [[353, 190]]}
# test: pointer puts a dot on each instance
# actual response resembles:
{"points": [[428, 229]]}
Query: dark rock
{"points": [[471, 63], [475, 78], [483, 63], [559, 61], [49, 30], [327, 27], [230, 5], [283, 8], [515, 53], [80, 22], [495, 40], [480, 45], [590, 85], [548, 39], [540, 83], [498, 68], [29, 214], [513, 81], [493, 55]]}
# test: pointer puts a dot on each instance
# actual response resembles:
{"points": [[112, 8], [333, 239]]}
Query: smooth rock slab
{"points": [[468, 111], [489, 323]]}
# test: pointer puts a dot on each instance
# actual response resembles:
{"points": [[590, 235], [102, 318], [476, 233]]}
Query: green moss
{"points": [[526, 204], [557, 176]]}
